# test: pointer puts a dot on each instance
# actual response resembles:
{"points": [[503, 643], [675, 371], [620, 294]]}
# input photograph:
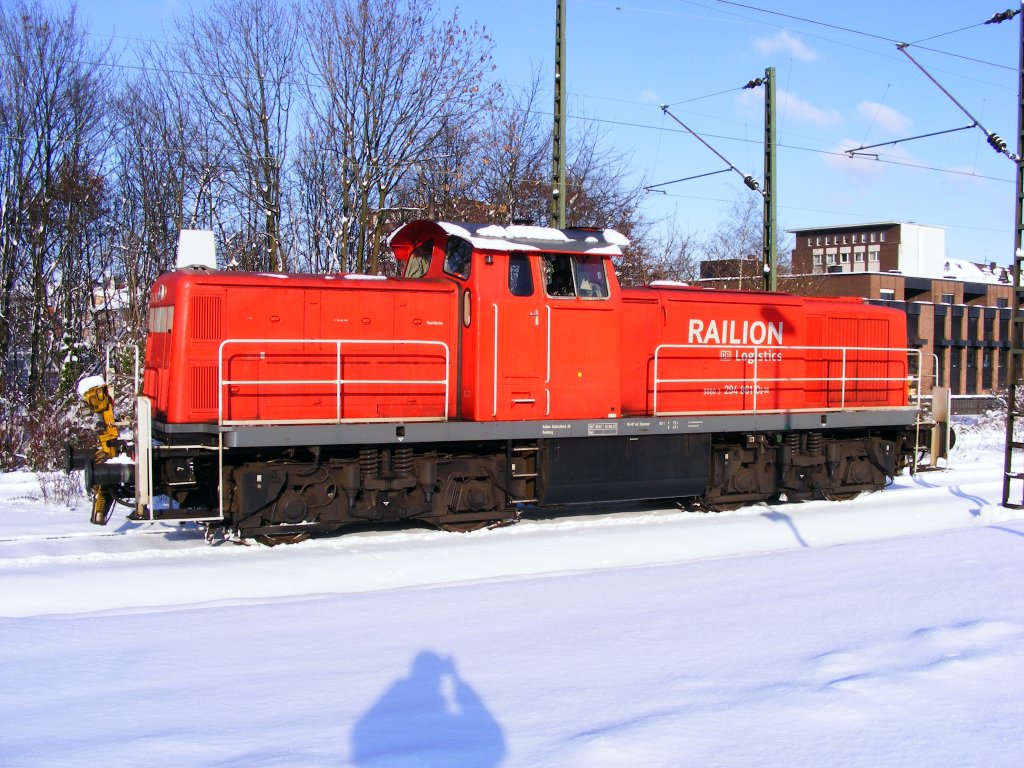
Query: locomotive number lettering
{"points": [[745, 389]]}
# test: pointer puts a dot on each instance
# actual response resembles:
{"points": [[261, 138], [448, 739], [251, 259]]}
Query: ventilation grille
{"points": [[206, 314], [204, 388]]}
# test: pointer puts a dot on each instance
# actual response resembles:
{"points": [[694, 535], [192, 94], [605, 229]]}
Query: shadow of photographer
{"points": [[430, 717]]}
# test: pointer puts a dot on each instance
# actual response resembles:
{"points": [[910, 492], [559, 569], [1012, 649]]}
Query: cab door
{"points": [[522, 328]]}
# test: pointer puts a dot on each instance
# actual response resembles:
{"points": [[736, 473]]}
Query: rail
{"points": [[753, 384], [338, 382]]}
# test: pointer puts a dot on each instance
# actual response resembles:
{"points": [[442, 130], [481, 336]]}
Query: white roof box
{"points": [[196, 248]]}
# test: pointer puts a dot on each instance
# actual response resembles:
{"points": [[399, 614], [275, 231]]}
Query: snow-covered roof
{"points": [[107, 297], [521, 237], [970, 272]]}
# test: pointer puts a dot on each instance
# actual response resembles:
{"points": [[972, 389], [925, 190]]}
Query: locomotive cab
{"points": [[540, 312]]}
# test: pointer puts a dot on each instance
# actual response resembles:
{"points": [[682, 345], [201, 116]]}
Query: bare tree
{"points": [[165, 182], [241, 59], [740, 235], [323, 222], [394, 79], [446, 185], [666, 254], [514, 156], [51, 198]]}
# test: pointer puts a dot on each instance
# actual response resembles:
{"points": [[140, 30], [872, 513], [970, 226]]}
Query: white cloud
{"points": [[885, 117], [863, 167], [867, 165], [786, 42], [794, 108], [649, 96]]}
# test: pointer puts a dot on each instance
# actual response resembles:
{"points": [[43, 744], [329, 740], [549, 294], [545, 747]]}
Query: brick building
{"points": [[957, 311], [885, 246]]}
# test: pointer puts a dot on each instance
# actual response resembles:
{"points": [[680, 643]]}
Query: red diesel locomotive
{"points": [[505, 369]]}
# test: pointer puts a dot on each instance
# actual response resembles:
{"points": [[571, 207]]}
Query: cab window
{"points": [[458, 257], [591, 279], [419, 261], [520, 279], [558, 279]]}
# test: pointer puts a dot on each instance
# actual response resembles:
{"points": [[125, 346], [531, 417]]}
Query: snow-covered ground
{"points": [[888, 630]]}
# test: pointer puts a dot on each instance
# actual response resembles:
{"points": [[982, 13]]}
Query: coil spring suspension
{"points": [[402, 462], [791, 440], [815, 441], [369, 462]]}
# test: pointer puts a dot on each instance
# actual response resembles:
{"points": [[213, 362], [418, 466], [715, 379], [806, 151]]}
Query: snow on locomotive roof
{"points": [[521, 237], [521, 232]]}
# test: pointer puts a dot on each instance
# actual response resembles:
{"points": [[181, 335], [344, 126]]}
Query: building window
{"points": [[1002, 303], [831, 258], [817, 240], [947, 298], [889, 294], [844, 239], [859, 256], [872, 237], [844, 258], [881, 237], [817, 259], [873, 256]]}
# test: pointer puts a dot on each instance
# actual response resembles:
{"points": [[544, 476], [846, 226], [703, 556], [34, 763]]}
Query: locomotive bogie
{"points": [[802, 466], [371, 485]]}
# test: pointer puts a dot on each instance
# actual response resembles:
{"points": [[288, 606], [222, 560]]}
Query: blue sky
{"points": [[837, 88]]}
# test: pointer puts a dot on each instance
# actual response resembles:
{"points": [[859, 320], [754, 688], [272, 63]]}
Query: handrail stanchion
{"points": [[337, 384], [338, 381], [741, 384]]}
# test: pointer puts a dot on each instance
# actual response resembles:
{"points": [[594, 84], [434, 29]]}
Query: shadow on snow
{"points": [[429, 717]]}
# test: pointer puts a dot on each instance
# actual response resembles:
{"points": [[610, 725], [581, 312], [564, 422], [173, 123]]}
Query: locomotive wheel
{"points": [[727, 506], [705, 505], [841, 496], [289, 538], [465, 526], [476, 525]]}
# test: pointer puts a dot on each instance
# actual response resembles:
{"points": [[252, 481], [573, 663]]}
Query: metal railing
{"points": [[752, 384], [338, 382]]}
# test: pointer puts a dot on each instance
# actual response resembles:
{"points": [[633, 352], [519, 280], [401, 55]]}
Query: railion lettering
{"points": [[741, 332]]}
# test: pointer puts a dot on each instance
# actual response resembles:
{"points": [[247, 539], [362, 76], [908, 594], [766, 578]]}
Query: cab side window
{"points": [[520, 279], [458, 257], [558, 280], [419, 261], [591, 278]]}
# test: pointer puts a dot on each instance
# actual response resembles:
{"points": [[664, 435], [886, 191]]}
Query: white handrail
{"points": [[338, 382], [752, 384]]}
